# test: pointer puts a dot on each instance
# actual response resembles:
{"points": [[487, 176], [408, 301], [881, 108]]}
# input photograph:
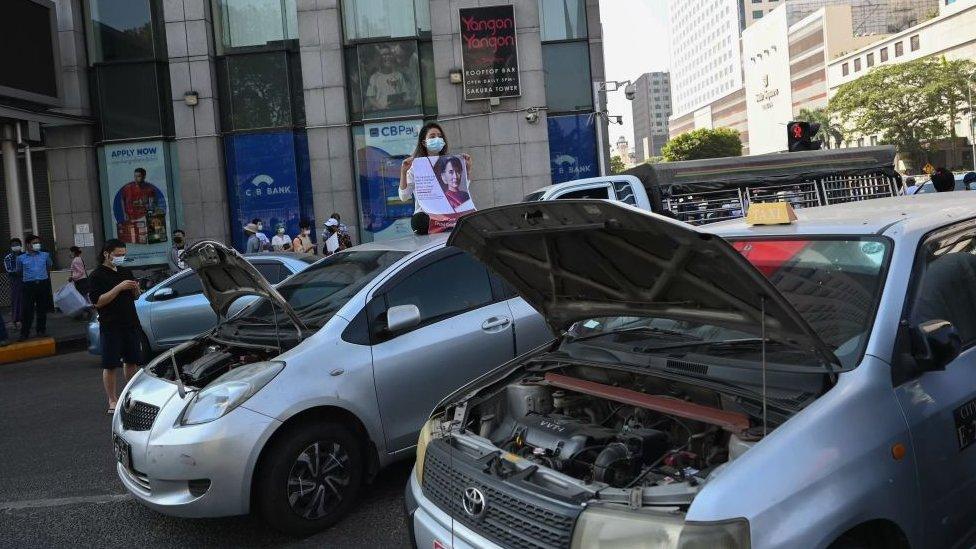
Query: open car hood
{"points": [[227, 276], [579, 259]]}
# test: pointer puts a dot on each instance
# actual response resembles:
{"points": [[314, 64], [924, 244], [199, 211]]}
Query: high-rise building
{"points": [[652, 108], [870, 16]]}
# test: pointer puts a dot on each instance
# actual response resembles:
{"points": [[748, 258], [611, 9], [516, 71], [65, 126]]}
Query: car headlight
{"points": [[426, 434], [606, 527], [228, 392]]}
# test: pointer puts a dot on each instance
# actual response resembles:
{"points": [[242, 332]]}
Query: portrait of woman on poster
{"points": [[450, 175], [431, 141]]}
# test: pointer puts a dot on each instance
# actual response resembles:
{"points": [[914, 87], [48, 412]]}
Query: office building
{"points": [[651, 109]]}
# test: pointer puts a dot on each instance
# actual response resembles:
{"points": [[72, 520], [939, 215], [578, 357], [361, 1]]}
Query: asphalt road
{"points": [[58, 485]]}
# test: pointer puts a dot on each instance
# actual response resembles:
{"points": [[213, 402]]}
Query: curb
{"points": [[41, 348]]}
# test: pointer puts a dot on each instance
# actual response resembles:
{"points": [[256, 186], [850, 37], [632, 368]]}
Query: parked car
{"points": [[927, 187], [800, 385], [176, 310], [289, 406]]}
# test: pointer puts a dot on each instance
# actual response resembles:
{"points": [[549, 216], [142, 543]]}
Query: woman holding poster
{"points": [[431, 144]]}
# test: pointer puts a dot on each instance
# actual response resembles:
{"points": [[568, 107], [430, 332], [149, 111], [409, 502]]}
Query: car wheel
{"points": [[310, 479]]}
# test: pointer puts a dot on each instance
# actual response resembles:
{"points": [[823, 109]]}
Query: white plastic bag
{"points": [[69, 300]]}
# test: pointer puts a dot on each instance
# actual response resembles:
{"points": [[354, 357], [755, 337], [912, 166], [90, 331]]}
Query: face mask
{"points": [[260, 227], [306, 233], [118, 260], [16, 248], [434, 144], [281, 231], [177, 240], [36, 247]]}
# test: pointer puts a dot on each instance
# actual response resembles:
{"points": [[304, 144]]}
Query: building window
{"points": [[884, 54], [391, 79], [567, 76], [124, 30], [257, 91], [366, 19], [870, 59], [914, 42], [857, 64], [860, 141], [874, 140], [845, 69], [757, 14], [254, 24], [562, 19], [899, 49], [129, 100]]}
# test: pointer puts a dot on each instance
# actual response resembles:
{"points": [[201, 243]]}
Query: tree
{"points": [[910, 105], [617, 164], [951, 82], [830, 133], [703, 143]]}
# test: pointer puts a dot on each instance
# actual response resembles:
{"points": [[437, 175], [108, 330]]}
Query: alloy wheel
{"points": [[318, 479]]}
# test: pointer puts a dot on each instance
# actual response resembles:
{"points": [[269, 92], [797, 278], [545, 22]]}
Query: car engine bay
{"points": [[612, 433], [201, 362]]}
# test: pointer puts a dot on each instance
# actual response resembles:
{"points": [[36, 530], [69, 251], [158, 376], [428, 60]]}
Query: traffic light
{"points": [[799, 136]]}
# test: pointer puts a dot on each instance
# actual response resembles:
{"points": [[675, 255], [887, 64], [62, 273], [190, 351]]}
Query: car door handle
{"points": [[495, 322]]}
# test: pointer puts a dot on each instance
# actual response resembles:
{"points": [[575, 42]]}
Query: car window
{"points": [[188, 285], [444, 288], [596, 192], [624, 192], [271, 271], [947, 285]]}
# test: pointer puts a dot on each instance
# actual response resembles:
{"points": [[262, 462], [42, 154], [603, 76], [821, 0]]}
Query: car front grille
{"points": [[138, 416], [512, 519]]}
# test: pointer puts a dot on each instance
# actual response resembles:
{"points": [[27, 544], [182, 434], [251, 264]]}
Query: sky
{"points": [[635, 41]]}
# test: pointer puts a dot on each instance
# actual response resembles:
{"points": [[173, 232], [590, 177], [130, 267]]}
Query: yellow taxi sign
{"points": [[770, 213]]}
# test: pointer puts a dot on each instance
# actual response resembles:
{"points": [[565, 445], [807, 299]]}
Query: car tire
{"points": [[310, 478]]}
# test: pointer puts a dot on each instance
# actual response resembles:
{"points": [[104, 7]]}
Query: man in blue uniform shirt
{"points": [[34, 267]]}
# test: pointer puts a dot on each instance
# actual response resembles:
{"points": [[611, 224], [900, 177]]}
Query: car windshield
{"points": [[319, 291], [834, 284]]}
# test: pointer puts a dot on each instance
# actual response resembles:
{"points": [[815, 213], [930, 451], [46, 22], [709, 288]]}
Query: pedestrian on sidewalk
{"points": [[16, 281], [179, 243], [113, 291], [263, 238], [79, 273], [34, 267], [281, 242], [943, 180], [253, 242], [303, 242]]}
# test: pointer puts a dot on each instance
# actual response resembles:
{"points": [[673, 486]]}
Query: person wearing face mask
{"points": [[34, 268], [303, 242], [113, 292], [430, 142], [281, 242], [262, 238], [179, 243], [78, 273], [16, 281], [253, 245]]}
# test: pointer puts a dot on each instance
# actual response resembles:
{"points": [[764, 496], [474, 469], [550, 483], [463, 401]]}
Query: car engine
{"points": [[202, 362]]}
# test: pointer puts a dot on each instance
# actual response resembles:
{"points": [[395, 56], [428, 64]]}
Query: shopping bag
{"points": [[69, 300]]}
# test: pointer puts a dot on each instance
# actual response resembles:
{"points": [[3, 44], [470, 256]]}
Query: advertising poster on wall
{"points": [[263, 182], [572, 147], [380, 149], [489, 52], [136, 195], [441, 188]]}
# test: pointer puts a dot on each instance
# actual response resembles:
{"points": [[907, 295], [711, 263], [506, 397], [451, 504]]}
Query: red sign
{"points": [[489, 52]]}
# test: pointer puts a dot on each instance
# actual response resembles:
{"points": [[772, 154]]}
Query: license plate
{"points": [[123, 452]]}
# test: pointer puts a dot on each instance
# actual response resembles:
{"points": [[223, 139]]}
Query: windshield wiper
{"points": [[739, 342], [646, 329]]}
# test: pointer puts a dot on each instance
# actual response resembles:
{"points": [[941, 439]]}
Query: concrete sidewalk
{"points": [[64, 335]]}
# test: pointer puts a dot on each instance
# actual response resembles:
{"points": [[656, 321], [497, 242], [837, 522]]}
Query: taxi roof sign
{"points": [[770, 213]]}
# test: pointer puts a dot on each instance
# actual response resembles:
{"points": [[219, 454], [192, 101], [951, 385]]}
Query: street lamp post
{"points": [[600, 113], [972, 127]]}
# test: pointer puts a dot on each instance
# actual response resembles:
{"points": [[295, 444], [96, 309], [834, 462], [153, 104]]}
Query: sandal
{"points": [[110, 411]]}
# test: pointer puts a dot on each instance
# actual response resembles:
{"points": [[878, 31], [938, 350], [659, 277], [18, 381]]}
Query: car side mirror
{"points": [[935, 343], [402, 317], [163, 294]]}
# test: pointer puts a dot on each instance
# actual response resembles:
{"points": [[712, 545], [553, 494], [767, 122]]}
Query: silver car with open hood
{"points": [[800, 385], [288, 406]]}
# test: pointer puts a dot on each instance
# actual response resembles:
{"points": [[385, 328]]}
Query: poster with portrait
{"points": [[136, 193], [441, 188], [388, 79]]}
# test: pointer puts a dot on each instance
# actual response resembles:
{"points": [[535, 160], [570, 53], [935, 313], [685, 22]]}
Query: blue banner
{"points": [[264, 181], [572, 147]]}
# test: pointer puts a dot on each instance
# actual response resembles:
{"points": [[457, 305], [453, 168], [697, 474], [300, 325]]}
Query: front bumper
{"points": [[194, 471], [430, 527]]}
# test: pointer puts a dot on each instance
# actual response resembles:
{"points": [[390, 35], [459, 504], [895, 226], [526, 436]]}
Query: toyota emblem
{"points": [[127, 403], [474, 502]]}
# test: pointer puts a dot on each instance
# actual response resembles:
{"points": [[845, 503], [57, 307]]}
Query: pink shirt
{"points": [[78, 269]]}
